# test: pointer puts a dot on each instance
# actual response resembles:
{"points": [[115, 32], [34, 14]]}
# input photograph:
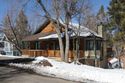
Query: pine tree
{"points": [[101, 20], [116, 11], [101, 14]]}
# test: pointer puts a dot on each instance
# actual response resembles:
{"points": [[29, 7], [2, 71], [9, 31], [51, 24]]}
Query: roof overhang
{"points": [[36, 36]]}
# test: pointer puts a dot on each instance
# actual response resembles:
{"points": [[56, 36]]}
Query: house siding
{"points": [[7, 46], [50, 47], [49, 28]]}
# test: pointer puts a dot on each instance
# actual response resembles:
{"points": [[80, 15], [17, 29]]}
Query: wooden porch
{"points": [[49, 53], [84, 56]]}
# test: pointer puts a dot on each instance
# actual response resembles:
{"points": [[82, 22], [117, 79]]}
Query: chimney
{"points": [[100, 29]]}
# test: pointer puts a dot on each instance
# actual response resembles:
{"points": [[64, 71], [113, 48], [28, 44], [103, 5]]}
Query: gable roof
{"points": [[41, 27], [37, 33], [73, 29], [83, 32]]}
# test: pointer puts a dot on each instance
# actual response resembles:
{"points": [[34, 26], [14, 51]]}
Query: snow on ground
{"points": [[82, 73], [10, 56], [13, 56]]}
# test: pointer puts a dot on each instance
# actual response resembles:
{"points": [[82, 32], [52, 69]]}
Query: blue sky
{"points": [[3, 9], [6, 5], [98, 3]]}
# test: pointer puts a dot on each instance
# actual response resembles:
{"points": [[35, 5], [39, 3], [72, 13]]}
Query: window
{"points": [[57, 47], [6, 44], [1, 44], [37, 45], [98, 45], [89, 45]]}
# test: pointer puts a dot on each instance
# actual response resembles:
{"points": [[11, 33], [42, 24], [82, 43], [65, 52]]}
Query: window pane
{"points": [[98, 45], [1, 44], [89, 44]]}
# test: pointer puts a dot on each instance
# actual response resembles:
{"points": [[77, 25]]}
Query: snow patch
{"points": [[10, 56], [82, 73], [113, 60]]}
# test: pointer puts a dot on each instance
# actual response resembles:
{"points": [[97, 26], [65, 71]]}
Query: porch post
{"points": [[54, 48], [95, 50], [85, 49]]}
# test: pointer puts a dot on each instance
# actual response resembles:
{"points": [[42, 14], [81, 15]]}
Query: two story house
{"points": [[6, 47]]}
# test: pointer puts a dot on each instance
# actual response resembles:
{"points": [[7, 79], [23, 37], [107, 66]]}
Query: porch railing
{"points": [[48, 53], [45, 53]]}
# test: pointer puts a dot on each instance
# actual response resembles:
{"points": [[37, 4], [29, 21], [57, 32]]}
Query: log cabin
{"points": [[44, 42]]}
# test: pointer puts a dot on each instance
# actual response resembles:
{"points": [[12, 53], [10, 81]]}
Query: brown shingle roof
{"points": [[36, 36]]}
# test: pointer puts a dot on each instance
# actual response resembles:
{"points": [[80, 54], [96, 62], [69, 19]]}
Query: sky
{"points": [[98, 3], [7, 5]]}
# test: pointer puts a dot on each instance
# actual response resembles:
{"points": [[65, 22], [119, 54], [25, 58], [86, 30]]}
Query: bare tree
{"points": [[83, 7], [10, 32], [57, 25], [58, 28], [66, 10], [90, 22], [22, 28], [69, 11], [16, 30]]}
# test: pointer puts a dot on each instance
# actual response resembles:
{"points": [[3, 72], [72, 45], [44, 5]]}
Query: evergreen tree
{"points": [[101, 14], [116, 11], [101, 20]]}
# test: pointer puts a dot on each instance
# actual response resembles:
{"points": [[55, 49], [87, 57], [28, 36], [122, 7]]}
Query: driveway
{"points": [[15, 75]]}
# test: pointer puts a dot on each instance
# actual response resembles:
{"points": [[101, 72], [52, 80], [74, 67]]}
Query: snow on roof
{"points": [[113, 60], [83, 31], [75, 28], [49, 36]]}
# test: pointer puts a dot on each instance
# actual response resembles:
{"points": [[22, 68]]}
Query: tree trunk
{"points": [[77, 48], [74, 51], [18, 48], [60, 40], [77, 43], [58, 27], [67, 44]]}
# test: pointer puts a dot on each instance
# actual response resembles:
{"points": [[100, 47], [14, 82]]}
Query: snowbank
{"points": [[82, 73]]}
